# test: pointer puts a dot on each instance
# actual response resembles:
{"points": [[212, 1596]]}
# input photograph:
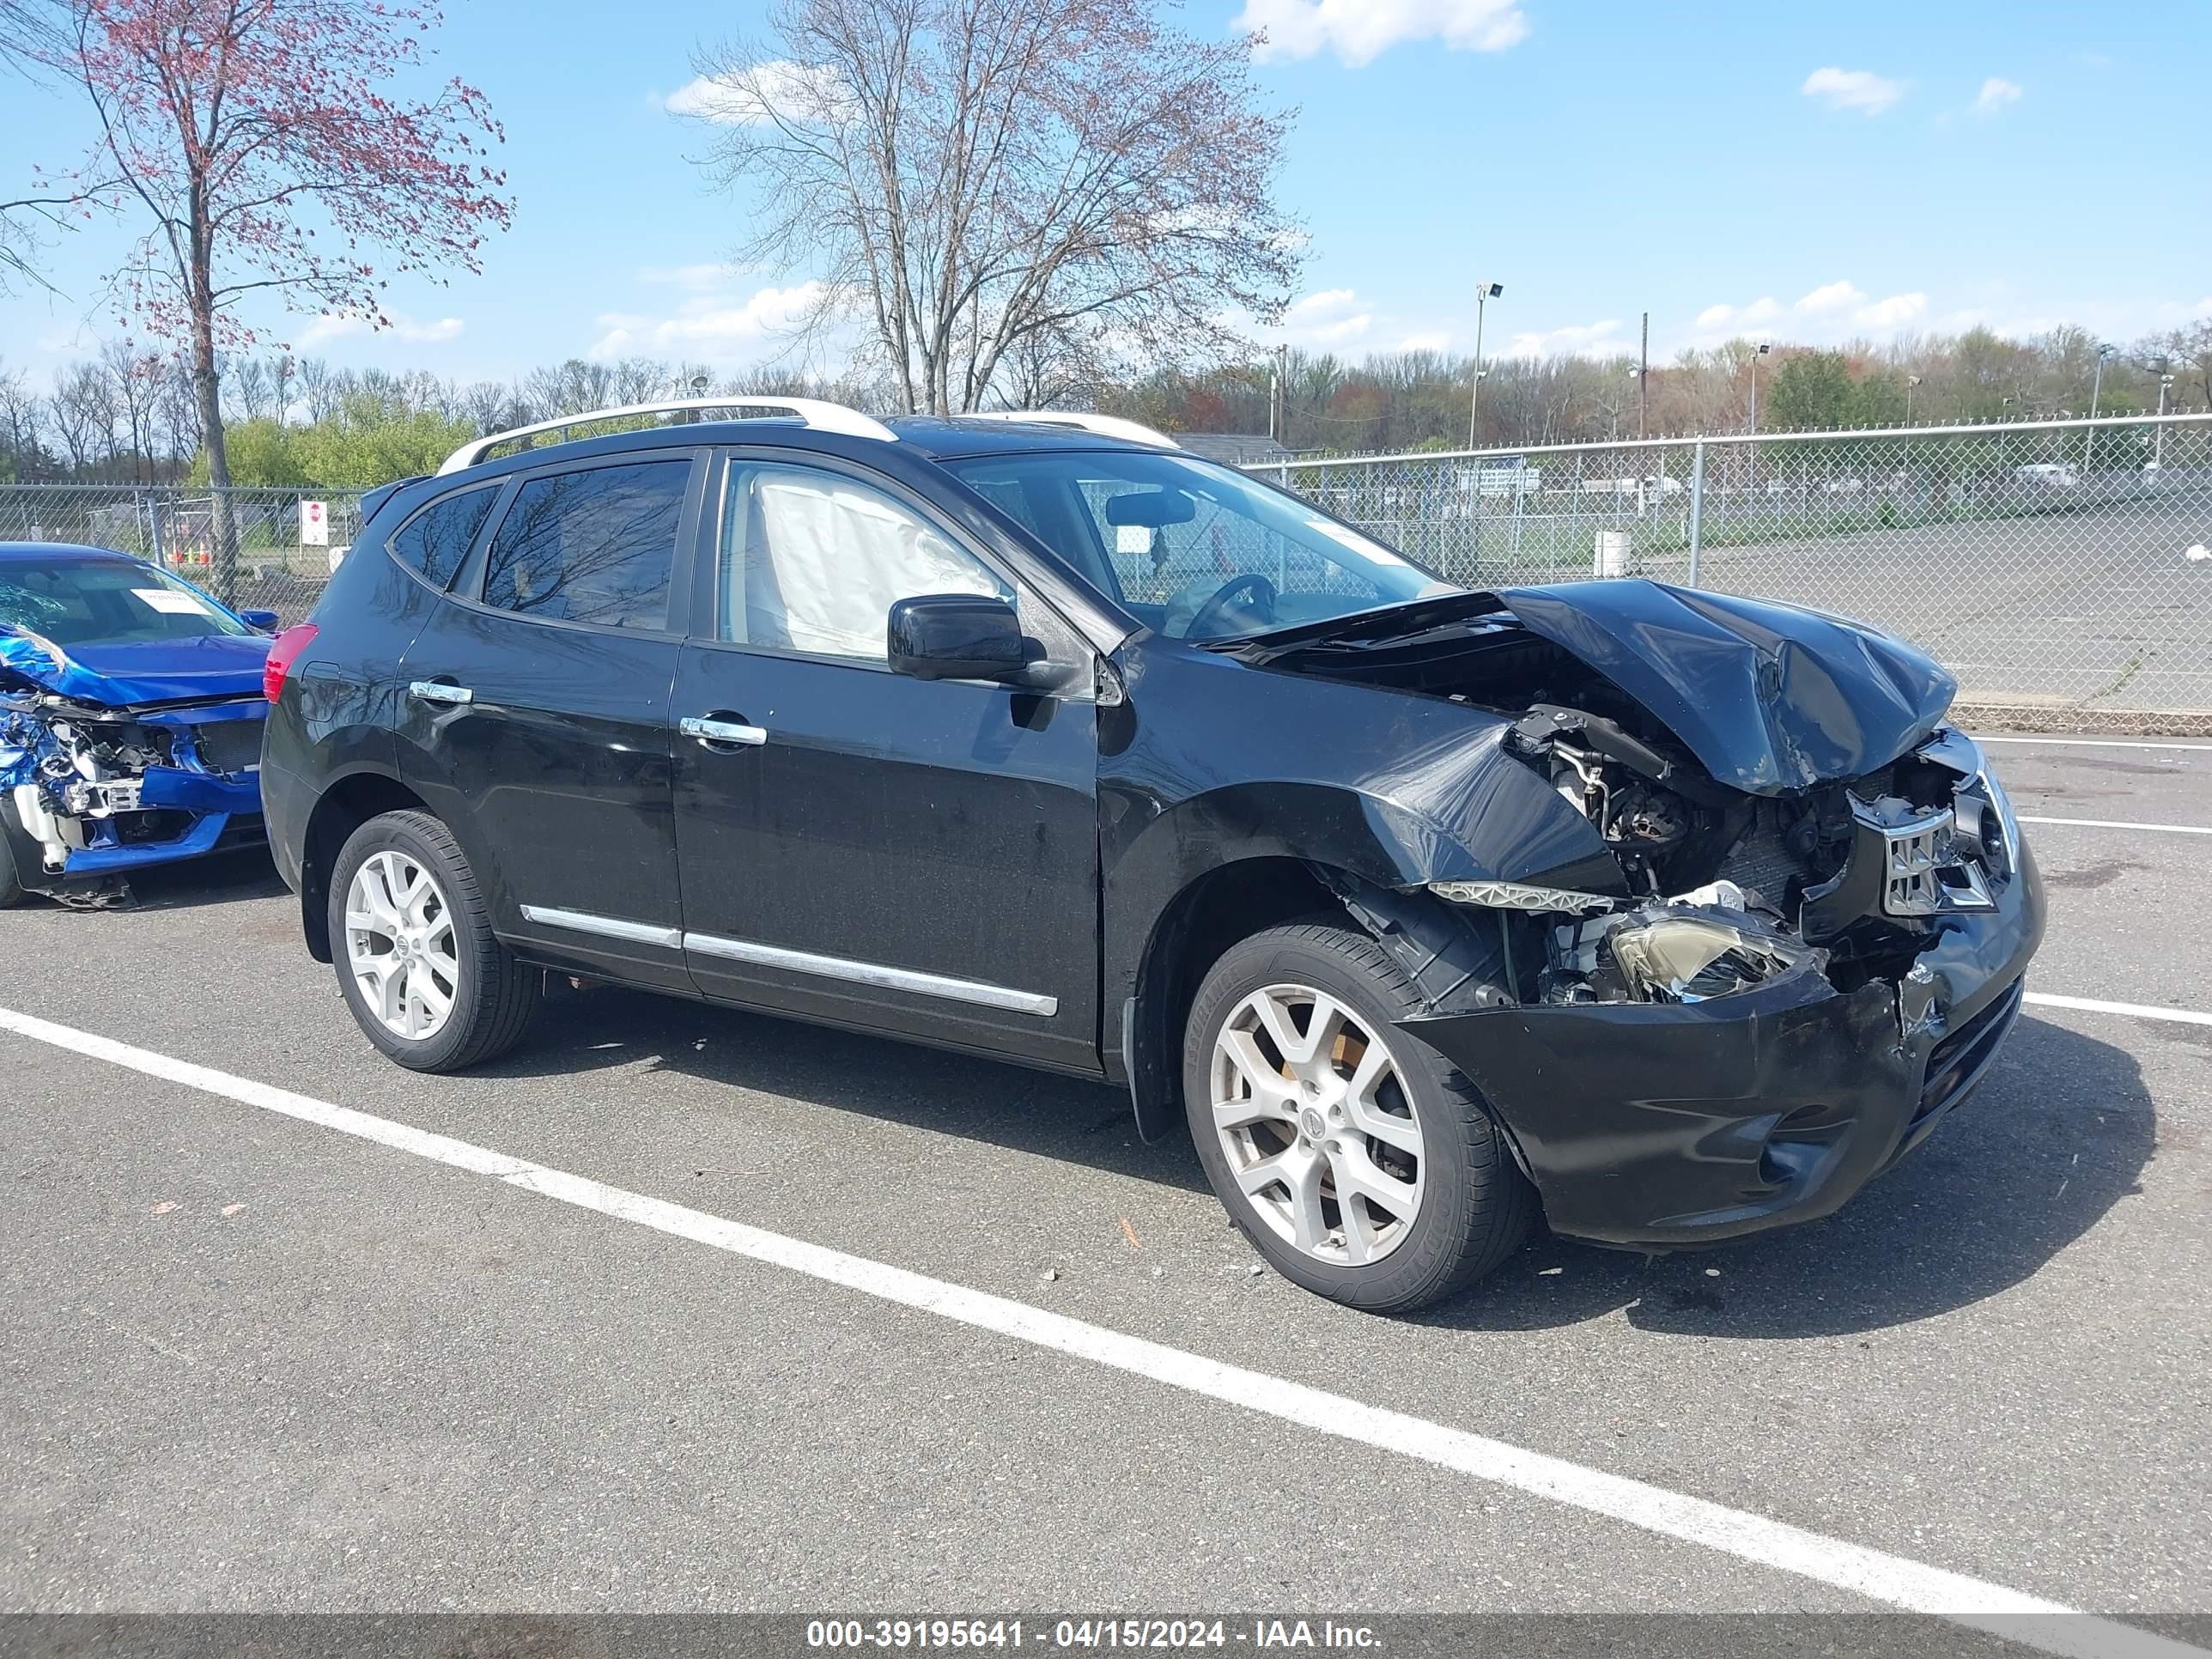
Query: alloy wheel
{"points": [[400, 945], [1313, 1118]]}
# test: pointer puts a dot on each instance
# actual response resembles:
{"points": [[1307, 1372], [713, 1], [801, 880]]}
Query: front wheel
{"points": [[11, 890], [1358, 1160], [415, 956]]}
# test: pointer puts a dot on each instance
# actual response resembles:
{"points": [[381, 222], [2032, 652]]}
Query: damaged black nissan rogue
{"points": [[1667, 915]]}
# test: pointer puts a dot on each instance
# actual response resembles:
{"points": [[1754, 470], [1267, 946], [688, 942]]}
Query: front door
{"points": [[538, 720], [854, 844]]}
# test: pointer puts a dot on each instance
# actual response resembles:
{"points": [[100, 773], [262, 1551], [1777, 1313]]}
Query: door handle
{"points": [[714, 731], [439, 691]]}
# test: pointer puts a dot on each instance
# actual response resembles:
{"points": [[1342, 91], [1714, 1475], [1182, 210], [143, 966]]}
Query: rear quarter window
{"points": [[596, 545], [434, 541]]}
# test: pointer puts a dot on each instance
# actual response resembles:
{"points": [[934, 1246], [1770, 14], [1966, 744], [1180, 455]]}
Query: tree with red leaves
{"points": [[260, 138]]}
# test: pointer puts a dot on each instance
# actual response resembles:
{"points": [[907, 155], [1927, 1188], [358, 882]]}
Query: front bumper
{"points": [[1664, 1125]]}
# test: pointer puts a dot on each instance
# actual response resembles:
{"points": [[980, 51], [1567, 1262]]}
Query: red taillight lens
{"points": [[283, 651]]}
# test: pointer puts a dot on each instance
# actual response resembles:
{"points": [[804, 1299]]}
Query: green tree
{"points": [[1813, 391]]}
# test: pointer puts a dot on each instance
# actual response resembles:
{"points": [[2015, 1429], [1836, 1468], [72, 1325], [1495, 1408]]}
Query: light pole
{"points": [[2096, 385], [2158, 454], [1484, 293], [1911, 382], [1761, 351]]}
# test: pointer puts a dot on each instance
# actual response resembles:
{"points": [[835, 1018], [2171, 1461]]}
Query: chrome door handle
{"points": [[439, 691], [721, 731]]}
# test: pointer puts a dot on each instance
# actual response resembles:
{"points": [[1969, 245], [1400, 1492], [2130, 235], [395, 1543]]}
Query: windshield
{"points": [[106, 602], [1192, 550]]}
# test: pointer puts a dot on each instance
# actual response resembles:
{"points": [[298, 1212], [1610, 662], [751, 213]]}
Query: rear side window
{"points": [[591, 546], [434, 541]]}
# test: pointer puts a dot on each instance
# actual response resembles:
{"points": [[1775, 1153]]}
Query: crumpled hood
{"points": [[122, 675], [1769, 697]]}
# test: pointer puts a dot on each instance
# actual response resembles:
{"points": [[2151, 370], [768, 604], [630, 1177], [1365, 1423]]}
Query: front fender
{"points": [[1476, 814]]}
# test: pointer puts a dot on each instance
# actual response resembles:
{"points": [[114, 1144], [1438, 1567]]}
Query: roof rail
{"points": [[1106, 426], [811, 411]]}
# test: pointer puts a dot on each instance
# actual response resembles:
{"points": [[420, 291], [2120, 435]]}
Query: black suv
{"points": [[1672, 915]]}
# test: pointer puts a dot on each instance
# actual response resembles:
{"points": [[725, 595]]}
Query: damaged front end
{"points": [[1708, 1059], [1811, 939], [92, 790]]}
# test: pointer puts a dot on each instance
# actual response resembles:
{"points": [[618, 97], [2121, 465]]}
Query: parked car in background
{"points": [[2047, 475], [1674, 914], [130, 714]]}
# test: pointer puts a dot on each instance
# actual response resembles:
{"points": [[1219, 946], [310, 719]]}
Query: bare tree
{"points": [[250, 388], [318, 388], [22, 412], [965, 175]]}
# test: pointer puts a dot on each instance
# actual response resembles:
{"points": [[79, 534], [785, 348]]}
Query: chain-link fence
{"points": [[2061, 569], [280, 566]]}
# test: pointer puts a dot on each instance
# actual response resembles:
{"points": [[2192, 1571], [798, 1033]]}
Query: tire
{"points": [[488, 995], [1463, 1203], [11, 890]]}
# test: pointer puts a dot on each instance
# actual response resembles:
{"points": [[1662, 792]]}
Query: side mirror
{"points": [[267, 621], [957, 636]]}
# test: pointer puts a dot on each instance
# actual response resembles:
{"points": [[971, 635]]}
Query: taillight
{"points": [[283, 651]]}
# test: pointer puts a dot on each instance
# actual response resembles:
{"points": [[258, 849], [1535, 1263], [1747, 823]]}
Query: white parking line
{"points": [[2123, 824], [2092, 1005], [1892, 1579], [2098, 743]]}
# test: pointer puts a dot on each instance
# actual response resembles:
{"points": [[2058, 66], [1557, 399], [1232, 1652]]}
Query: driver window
{"points": [[812, 561]]}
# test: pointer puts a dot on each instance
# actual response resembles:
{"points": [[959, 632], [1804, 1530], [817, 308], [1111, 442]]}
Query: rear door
{"points": [[537, 711], [915, 856]]}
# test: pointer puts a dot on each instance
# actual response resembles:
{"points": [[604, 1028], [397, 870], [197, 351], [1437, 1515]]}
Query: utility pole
{"points": [[1484, 293], [1643, 383], [2096, 385], [2158, 456], [1279, 395], [1911, 382], [1758, 352]]}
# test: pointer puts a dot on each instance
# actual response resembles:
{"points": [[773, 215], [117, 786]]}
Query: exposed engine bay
{"points": [[100, 790], [1721, 889]]}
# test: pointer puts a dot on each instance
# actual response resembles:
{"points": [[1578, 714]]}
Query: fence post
{"points": [[1697, 505], [153, 532]]}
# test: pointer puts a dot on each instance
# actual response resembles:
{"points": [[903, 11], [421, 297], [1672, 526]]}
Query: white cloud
{"points": [[1576, 340], [344, 326], [1859, 89], [1995, 94], [1831, 297], [718, 328], [1434, 339], [1334, 317], [1844, 301], [801, 92], [1891, 314], [1360, 31], [1725, 321]]}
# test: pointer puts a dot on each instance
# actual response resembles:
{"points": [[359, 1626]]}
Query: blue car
{"points": [[130, 713]]}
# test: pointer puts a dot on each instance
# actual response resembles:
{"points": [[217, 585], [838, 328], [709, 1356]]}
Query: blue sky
{"points": [[1804, 170]]}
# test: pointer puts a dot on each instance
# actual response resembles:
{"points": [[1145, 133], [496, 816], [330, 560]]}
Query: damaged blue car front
{"points": [[130, 717]]}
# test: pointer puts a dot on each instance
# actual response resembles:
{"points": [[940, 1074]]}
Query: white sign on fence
{"points": [[314, 524]]}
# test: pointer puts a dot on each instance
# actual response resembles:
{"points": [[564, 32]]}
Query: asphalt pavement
{"points": [[255, 1362]]}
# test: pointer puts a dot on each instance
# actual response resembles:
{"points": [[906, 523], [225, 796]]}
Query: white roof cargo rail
{"points": [[811, 411], [1106, 426]]}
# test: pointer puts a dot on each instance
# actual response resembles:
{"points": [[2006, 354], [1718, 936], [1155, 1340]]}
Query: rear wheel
{"points": [[417, 960], [1358, 1160]]}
